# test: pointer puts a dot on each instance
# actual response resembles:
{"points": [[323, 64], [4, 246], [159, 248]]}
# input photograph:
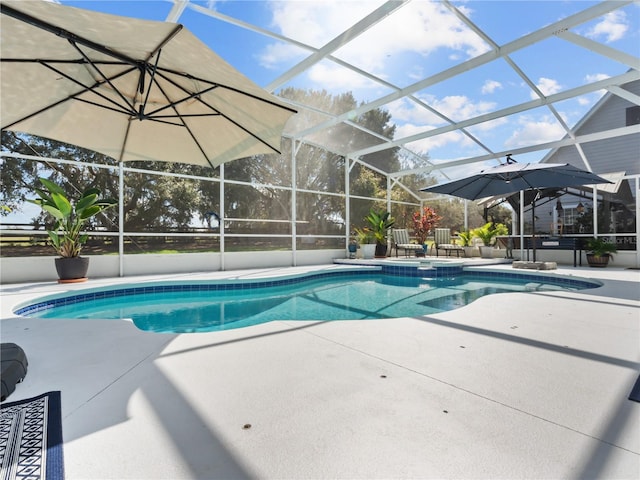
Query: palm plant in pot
{"points": [[466, 237], [487, 233], [366, 242], [599, 252], [70, 216], [380, 222]]}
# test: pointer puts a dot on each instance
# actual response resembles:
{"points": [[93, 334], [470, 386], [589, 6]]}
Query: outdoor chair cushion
{"points": [[442, 237], [402, 241]]}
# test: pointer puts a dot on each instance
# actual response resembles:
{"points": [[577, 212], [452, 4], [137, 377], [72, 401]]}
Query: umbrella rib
{"points": [[197, 97], [112, 96], [151, 81], [179, 116], [77, 39], [146, 65], [62, 33], [74, 96], [93, 90], [93, 87], [162, 70], [173, 103], [104, 77]]}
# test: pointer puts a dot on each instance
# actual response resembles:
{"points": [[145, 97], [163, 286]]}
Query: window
{"points": [[633, 115]]}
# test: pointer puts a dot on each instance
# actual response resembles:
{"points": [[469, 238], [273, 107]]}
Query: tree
{"points": [[162, 203]]}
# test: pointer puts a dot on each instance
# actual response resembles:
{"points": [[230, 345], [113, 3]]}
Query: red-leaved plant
{"points": [[423, 222]]}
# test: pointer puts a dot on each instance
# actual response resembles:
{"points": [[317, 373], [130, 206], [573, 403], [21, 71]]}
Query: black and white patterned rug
{"points": [[31, 439]]}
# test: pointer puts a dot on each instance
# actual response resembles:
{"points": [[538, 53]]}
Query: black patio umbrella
{"points": [[129, 88], [514, 177]]}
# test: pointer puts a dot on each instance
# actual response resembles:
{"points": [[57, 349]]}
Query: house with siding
{"points": [[610, 210]]}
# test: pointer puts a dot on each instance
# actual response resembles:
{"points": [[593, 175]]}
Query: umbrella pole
{"points": [[521, 224], [533, 225]]}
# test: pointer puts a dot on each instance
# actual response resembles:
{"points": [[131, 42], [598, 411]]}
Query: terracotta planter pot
{"points": [[72, 269]]}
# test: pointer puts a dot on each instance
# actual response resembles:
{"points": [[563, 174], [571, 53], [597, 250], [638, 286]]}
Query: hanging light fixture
{"points": [[580, 208], [559, 206]]}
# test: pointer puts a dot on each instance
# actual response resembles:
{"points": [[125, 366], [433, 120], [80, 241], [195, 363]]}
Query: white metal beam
{"points": [[605, 50], [591, 137], [345, 37], [571, 93], [622, 93], [518, 44]]}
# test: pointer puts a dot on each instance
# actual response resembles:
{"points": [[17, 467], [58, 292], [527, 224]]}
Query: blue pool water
{"points": [[211, 306]]}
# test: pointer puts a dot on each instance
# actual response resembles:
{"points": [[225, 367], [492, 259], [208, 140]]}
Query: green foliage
{"points": [[601, 248], [380, 222], [66, 235], [489, 231], [159, 203], [365, 235], [465, 237]]}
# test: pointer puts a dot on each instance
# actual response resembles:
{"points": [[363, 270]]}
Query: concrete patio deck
{"points": [[518, 385]]}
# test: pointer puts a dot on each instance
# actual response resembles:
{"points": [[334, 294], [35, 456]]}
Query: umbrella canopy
{"points": [[514, 177], [131, 89]]}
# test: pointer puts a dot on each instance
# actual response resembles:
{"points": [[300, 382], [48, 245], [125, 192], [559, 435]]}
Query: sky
{"points": [[416, 41]]}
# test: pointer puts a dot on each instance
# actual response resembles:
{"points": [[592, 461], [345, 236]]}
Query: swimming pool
{"points": [[390, 292]]}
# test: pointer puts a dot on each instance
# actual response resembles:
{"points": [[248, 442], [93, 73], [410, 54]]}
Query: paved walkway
{"points": [[518, 385]]}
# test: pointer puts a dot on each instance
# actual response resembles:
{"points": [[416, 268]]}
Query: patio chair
{"points": [[442, 237], [401, 241]]}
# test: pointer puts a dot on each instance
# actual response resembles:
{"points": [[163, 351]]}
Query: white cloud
{"points": [[454, 107], [612, 27], [426, 145], [547, 86], [406, 111], [491, 86], [276, 53], [411, 119], [594, 77], [335, 78], [532, 132], [590, 99], [584, 100], [316, 23]]}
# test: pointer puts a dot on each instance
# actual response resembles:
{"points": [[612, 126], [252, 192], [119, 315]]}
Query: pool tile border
{"points": [[440, 271]]}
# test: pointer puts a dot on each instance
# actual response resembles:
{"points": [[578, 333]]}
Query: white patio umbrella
{"points": [[128, 88]]}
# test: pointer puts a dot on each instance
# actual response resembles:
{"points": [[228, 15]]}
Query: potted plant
{"points": [[599, 252], [380, 222], [487, 233], [466, 236], [424, 221], [70, 216], [367, 242]]}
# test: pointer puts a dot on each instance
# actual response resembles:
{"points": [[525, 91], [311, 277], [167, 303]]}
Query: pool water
{"points": [[347, 297]]}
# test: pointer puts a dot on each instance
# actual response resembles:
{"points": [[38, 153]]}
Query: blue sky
{"points": [[417, 41]]}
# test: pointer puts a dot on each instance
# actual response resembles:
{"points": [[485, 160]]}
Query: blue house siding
{"points": [[610, 155]]}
